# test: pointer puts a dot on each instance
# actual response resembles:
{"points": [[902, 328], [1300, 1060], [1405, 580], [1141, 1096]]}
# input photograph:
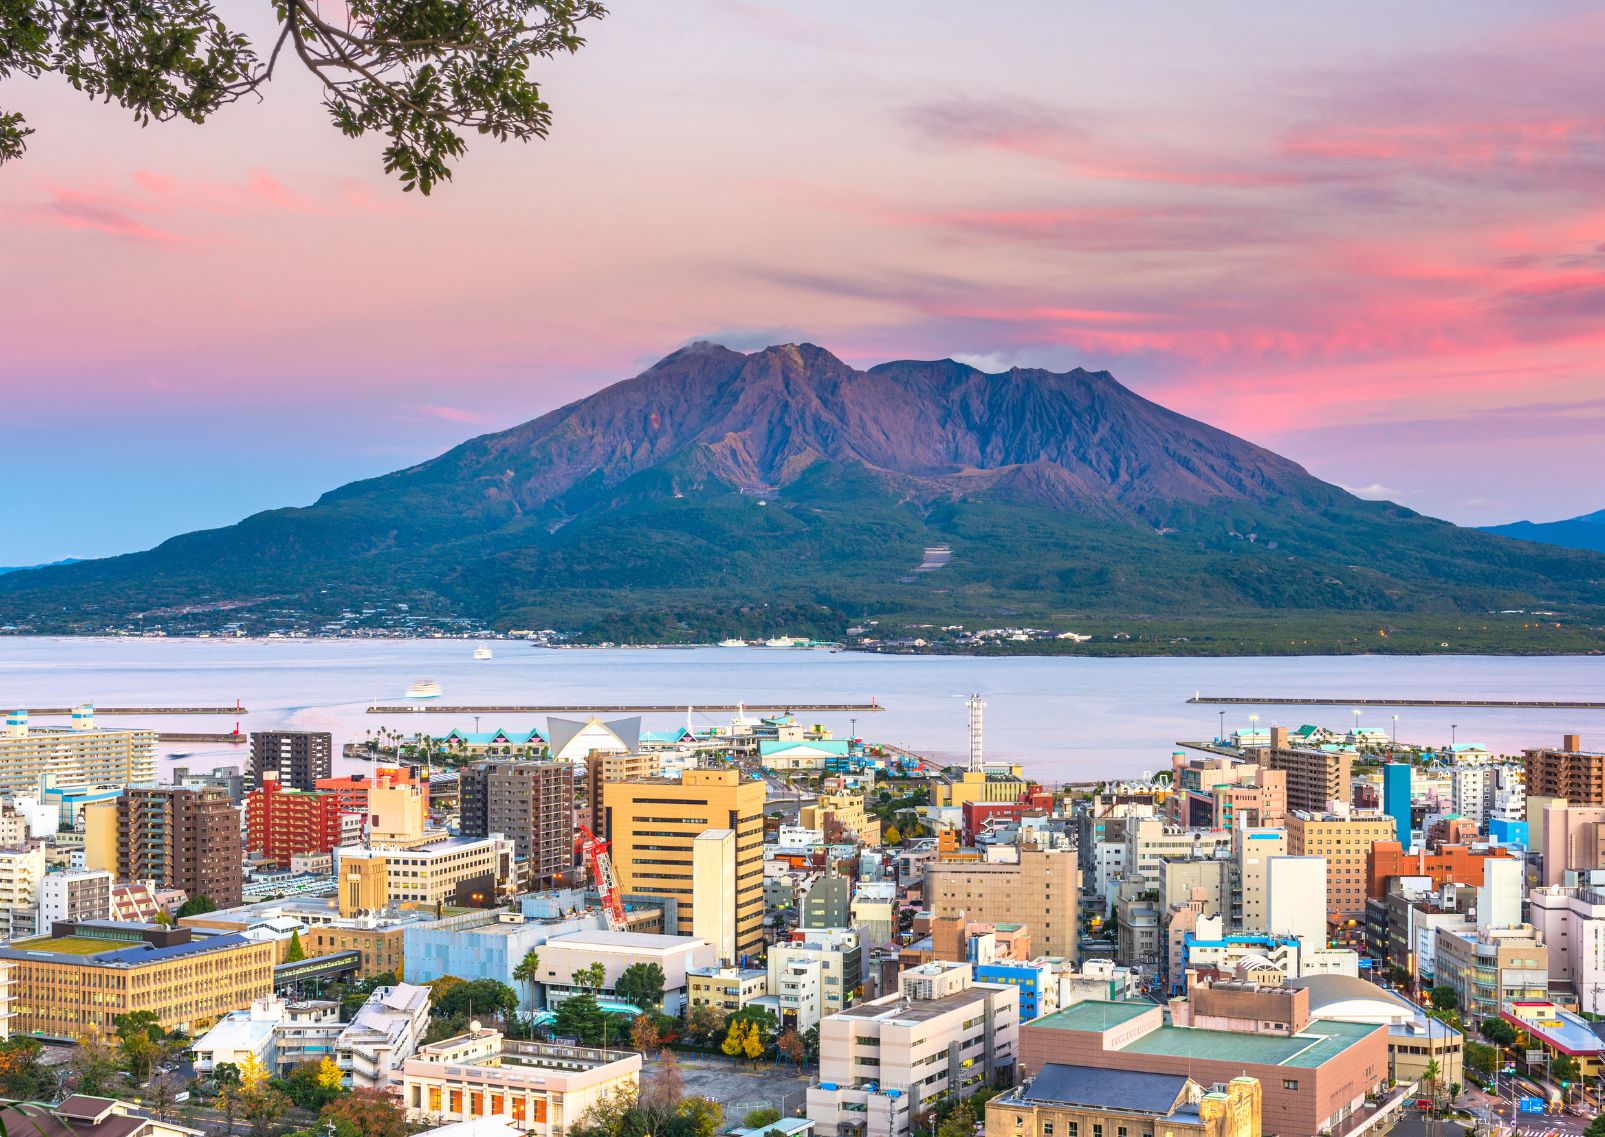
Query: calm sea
{"points": [[1065, 718]]}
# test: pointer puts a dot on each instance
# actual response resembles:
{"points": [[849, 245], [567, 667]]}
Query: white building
{"points": [[381, 1035], [75, 756], [1295, 899], [563, 955], [20, 873], [240, 1036], [77, 894], [816, 976], [1499, 895], [1571, 922]]}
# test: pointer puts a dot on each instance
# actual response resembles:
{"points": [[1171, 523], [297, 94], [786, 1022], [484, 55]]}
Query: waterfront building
{"points": [[495, 743], [1313, 1075], [810, 756], [538, 1088], [280, 822], [653, 824], [1040, 888], [532, 803], [1084, 1101], [187, 839], [952, 788], [82, 976], [1569, 772], [299, 757], [876, 1071], [75, 756], [1316, 779]]}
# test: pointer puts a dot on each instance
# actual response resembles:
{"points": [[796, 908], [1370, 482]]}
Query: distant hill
{"points": [[1585, 532], [724, 493], [25, 568]]}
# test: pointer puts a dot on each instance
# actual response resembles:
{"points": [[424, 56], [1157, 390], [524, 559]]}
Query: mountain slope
{"points": [[717, 480], [1585, 532]]}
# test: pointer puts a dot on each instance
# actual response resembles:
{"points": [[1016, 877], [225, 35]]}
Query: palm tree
{"points": [[528, 972], [1430, 1076]]}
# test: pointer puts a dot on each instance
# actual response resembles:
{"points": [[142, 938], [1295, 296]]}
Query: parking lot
{"points": [[740, 1086]]}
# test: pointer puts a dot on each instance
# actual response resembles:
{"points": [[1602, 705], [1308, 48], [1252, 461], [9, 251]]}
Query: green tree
{"points": [[702, 1116], [959, 1123], [528, 972], [314, 1084], [94, 1066], [1445, 998], [422, 75], [641, 984], [1498, 1031], [140, 1054], [1481, 1059], [23, 1076], [138, 1022], [196, 906], [295, 953], [1563, 1068], [703, 1023], [590, 978], [758, 1118], [477, 998], [581, 1017]]}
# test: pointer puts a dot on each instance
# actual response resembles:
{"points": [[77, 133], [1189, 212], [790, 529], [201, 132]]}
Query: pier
{"points": [[618, 709], [47, 712], [183, 736], [1486, 704]]}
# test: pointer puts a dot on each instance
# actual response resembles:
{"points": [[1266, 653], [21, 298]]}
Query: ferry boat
{"points": [[732, 643], [424, 689], [482, 653]]}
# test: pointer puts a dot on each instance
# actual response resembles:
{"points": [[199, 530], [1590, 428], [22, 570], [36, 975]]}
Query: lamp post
{"points": [[1395, 730], [1253, 727], [1220, 735]]}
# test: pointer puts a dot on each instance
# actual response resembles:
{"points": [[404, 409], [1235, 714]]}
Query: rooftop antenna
{"points": [[976, 705]]}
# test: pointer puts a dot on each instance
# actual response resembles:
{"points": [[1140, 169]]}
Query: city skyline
{"points": [[1341, 238]]}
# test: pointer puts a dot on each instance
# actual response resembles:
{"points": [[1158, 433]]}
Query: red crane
{"points": [[607, 885]]}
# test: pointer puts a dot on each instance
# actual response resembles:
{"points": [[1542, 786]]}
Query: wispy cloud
{"points": [[452, 414]]}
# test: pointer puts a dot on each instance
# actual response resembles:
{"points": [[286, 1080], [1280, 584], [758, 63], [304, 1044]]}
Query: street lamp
{"points": [[1221, 734], [1395, 730], [1453, 727], [1253, 728]]}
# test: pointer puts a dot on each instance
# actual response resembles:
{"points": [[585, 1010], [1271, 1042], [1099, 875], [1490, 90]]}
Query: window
{"points": [[1070, 1128], [456, 1101], [1289, 1083], [518, 1107], [434, 1099]]}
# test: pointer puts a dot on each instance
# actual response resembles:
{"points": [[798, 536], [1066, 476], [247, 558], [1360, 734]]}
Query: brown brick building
{"points": [[531, 803], [1315, 778], [181, 838], [1450, 864], [1569, 772]]}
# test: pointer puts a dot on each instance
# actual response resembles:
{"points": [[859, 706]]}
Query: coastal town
{"points": [[587, 927]]}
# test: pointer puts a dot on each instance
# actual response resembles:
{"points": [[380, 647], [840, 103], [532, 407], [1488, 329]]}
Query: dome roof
{"points": [[1347, 999]]}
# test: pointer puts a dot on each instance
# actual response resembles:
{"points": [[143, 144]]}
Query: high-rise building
{"points": [[1396, 797], [1254, 849], [1040, 890], [653, 824], [1316, 779], [530, 802], [301, 757], [77, 894], [20, 873], [1345, 840], [1295, 900], [604, 767], [280, 823], [180, 838], [1570, 772], [74, 756]]}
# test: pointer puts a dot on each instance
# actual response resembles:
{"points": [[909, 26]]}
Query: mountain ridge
{"points": [[784, 477]]}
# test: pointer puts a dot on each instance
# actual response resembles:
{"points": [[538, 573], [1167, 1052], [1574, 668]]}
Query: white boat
{"points": [[785, 641], [732, 643], [424, 689], [482, 653]]}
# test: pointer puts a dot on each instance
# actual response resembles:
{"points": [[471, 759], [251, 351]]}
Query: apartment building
{"points": [[941, 1037], [280, 822], [1041, 890], [653, 825], [75, 756], [1447, 864], [21, 870], [186, 839], [725, 987], [1571, 923], [1569, 772], [844, 809], [1216, 792], [1345, 840], [1316, 779], [353, 789], [1251, 854], [74, 895], [298, 757], [816, 976], [530, 802], [80, 978], [385, 1031]]}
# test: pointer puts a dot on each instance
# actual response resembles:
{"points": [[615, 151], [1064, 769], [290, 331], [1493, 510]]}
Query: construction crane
{"points": [[607, 885]]}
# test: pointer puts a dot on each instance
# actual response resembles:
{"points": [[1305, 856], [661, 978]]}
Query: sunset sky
{"points": [[1370, 236]]}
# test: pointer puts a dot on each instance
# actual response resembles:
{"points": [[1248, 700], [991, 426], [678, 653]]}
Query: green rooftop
{"points": [[70, 945], [1316, 1044]]}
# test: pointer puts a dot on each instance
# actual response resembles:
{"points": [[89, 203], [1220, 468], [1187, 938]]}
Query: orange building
{"points": [[352, 790], [1451, 864], [280, 823]]}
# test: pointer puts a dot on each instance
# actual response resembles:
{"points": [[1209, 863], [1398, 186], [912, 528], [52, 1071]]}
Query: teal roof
{"points": [[496, 737], [1315, 1045], [828, 746]]}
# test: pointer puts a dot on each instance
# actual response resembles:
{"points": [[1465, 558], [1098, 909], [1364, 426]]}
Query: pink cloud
{"points": [[451, 414], [75, 209]]}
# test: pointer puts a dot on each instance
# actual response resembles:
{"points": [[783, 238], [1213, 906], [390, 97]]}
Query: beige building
{"points": [[540, 1089], [1253, 853], [713, 891], [1345, 841], [457, 870], [100, 835], [1084, 1101], [74, 756], [887, 1060], [993, 784], [398, 813], [1491, 967], [725, 988], [847, 810], [1315, 778], [1041, 891], [653, 824]]}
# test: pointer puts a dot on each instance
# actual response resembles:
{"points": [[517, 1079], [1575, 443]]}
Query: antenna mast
{"points": [[976, 705]]}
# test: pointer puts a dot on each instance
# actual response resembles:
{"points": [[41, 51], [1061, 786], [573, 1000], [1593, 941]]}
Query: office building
{"points": [[653, 825], [1570, 772], [74, 895], [1569, 837], [540, 1089], [532, 803], [1447, 864], [1312, 1074], [1489, 968], [1345, 840], [299, 757], [1084, 1101], [74, 757], [465, 871], [185, 839], [280, 822], [604, 767], [1041, 890], [725, 987], [80, 978], [1252, 853], [714, 890], [941, 1037], [1571, 923]]}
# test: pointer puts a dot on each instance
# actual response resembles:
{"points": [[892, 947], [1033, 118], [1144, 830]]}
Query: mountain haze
{"points": [[1585, 532], [717, 481]]}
